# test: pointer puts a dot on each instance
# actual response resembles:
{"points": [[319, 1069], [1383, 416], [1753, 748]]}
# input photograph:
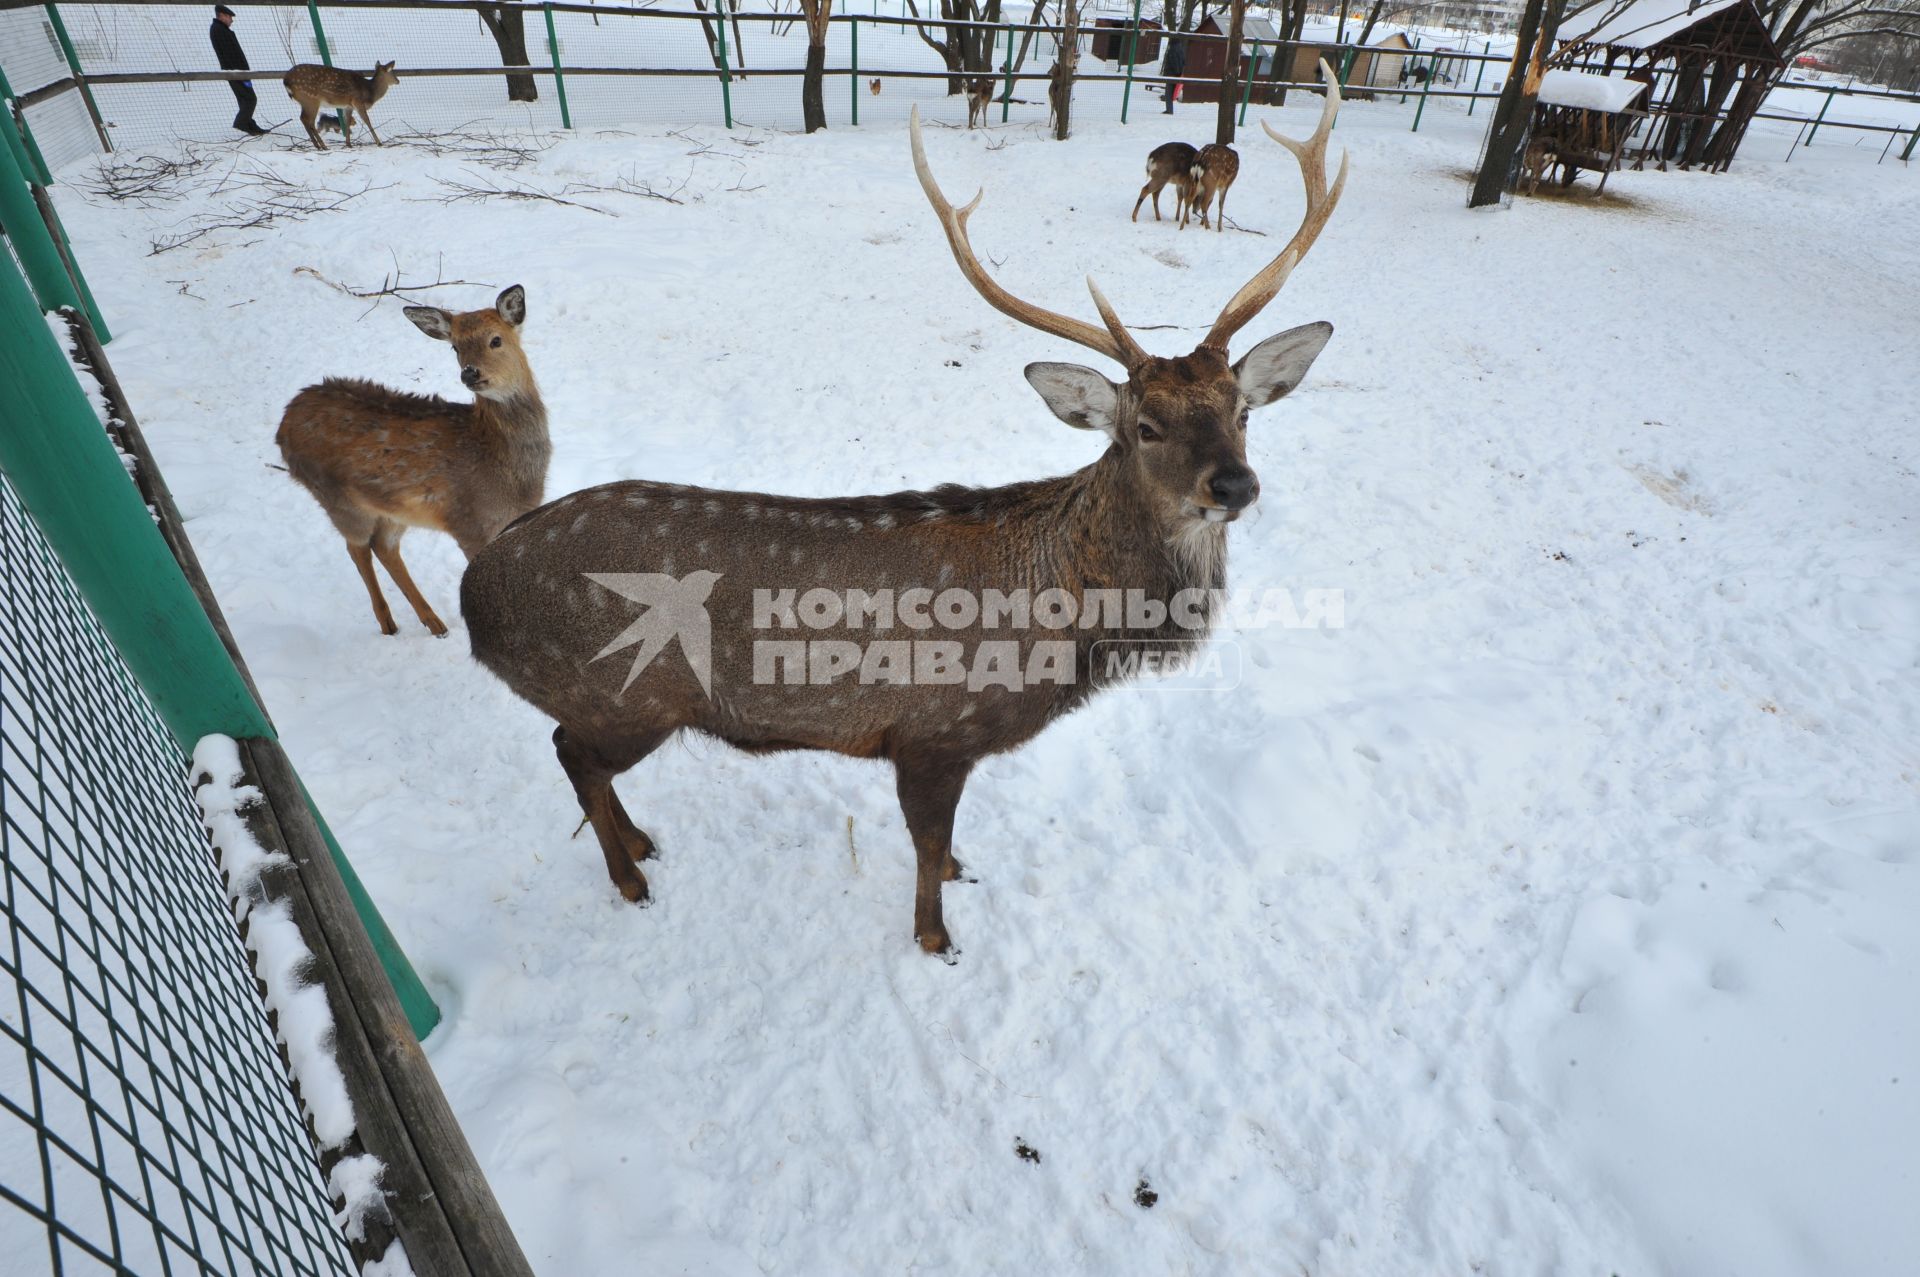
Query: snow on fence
{"points": [[148, 1125]]}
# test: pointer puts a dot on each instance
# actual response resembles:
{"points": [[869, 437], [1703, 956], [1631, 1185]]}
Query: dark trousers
{"points": [[247, 99]]}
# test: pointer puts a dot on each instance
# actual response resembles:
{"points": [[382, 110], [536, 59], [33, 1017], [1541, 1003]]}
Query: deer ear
{"points": [[1078, 396], [432, 321], [512, 305], [1273, 368]]}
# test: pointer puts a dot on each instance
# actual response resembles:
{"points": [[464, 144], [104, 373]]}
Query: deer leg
{"points": [[929, 792], [1220, 214], [1142, 199], [346, 126], [386, 544], [368, 121], [308, 114], [592, 770], [363, 559]]}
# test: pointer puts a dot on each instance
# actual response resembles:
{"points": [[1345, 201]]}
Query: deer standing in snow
{"points": [[577, 607], [381, 461], [1212, 173], [979, 98], [316, 88], [1169, 162]]}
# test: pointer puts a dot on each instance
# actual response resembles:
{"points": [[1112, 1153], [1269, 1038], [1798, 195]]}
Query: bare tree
{"points": [[1060, 79], [507, 25], [813, 108], [1513, 114], [966, 50], [1230, 74]]}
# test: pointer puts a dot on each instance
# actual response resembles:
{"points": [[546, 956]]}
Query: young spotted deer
{"points": [[979, 98], [635, 611], [1168, 162], [1213, 172], [381, 461], [317, 88]]}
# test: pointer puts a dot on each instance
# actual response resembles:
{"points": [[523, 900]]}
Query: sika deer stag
{"points": [[1168, 162], [381, 461], [317, 88], [575, 607], [1213, 172]]}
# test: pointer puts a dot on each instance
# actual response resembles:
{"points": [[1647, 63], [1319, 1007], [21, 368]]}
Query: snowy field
{"points": [[1554, 915]]}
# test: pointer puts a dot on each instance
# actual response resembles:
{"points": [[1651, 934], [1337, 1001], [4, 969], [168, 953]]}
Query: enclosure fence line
{"points": [[103, 62], [152, 1123]]}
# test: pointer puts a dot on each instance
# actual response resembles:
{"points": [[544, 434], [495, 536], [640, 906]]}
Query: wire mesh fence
{"points": [[146, 1120]]}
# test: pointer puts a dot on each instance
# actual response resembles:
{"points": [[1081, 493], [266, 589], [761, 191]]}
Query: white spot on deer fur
{"points": [[579, 523], [773, 551], [884, 521], [661, 530], [700, 547], [798, 554], [965, 710], [854, 525], [520, 550], [636, 501], [751, 510], [679, 504], [946, 573], [553, 534], [711, 507]]}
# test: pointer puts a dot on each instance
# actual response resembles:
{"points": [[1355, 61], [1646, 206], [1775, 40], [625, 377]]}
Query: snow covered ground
{"points": [[1555, 915]]}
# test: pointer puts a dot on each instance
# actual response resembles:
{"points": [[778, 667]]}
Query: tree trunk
{"points": [[1060, 83], [1513, 114], [509, 31], [1230, 74], [813, 107]]}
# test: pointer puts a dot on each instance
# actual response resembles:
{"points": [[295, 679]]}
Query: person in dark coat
{"points": [[1171, 66], [226, 47]]}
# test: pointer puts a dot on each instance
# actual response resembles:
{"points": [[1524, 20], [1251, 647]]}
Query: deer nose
{"points": [[1234, 489], [470, 375]]}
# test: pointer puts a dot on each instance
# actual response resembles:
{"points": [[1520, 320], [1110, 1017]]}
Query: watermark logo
{"points": [[670, 608]]}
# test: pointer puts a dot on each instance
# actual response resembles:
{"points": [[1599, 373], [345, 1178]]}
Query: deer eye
{"points": [[495, 343], [1148, 432]]}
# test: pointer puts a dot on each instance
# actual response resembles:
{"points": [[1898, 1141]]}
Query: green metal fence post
{"points": [[1246, 90], [1006, 95], [853, 75], [1816, 119], [326, 55], [1910, 141], [79, 76], [1425, 84], [726, 76], [1487, 48], [38, 167], [32, 241], [1346, 69], [1133, 48], [559, 80], [71, 480]]}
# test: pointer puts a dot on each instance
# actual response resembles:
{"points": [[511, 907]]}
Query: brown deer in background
{"points": [[979, 98], [380, 461], [575, 607], [1212, 173], [316, 88], [1168, 162]]}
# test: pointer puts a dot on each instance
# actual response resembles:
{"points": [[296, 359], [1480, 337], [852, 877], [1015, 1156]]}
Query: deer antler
{"points": [[1312, 154], [1115, 342]]}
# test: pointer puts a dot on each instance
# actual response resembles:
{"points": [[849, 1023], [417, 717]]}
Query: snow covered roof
{"points": [[1637, 24], [1609, 93]]}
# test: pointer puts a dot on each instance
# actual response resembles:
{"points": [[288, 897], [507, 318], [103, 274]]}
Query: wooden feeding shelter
{"points": [[1583, 120], [1110, 41], [1708, 63]]}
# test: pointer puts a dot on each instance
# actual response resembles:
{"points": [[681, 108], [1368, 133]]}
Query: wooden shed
{"points": [[1710, 64], [1110, 41], [1583, 121]]}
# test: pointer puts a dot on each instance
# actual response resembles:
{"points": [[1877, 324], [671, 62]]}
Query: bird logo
{"points": [[670, 608]]}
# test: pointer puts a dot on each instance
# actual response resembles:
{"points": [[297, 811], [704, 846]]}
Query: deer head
{"points": [[383, 78], [487, 343], [1179, 424]]}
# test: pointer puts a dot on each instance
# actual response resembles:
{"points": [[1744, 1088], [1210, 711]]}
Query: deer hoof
{"points": [[634, 890], [937, 944], [640, 847]]}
